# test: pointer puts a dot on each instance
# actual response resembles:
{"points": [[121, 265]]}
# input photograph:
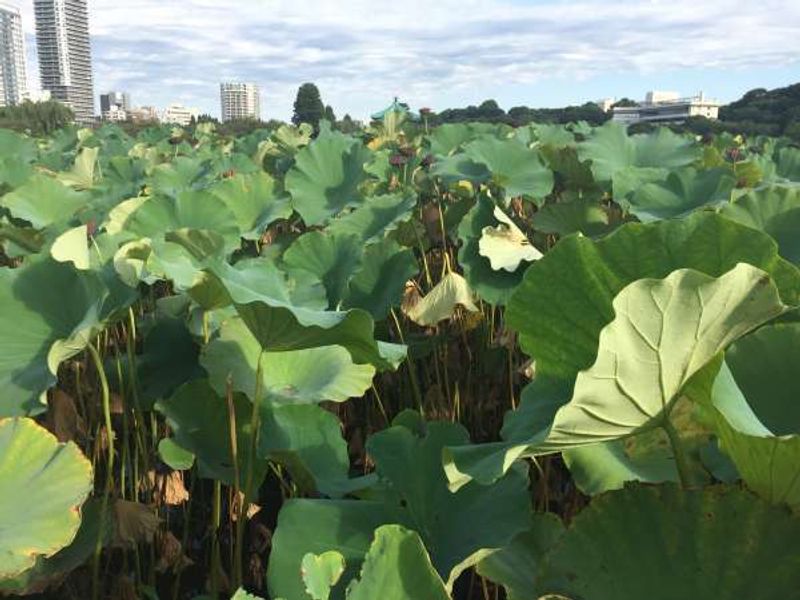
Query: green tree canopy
{"points": [[308, 106]]}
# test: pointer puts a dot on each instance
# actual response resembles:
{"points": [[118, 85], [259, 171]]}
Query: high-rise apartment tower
{"points": [[65, 54], [13, 73], [240, 101]]}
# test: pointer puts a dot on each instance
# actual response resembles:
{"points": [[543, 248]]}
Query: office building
{"points": [[240, 101], [13, 73], [65, 55], [667, 107], [121, 100]]}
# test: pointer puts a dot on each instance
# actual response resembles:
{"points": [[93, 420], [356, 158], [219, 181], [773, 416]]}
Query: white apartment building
{"points": [[178, 114], [65, 55], [240, 101], [667, 107], [13, 72]]}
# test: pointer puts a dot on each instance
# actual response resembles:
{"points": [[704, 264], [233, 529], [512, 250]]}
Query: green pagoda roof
{"points": [[397, 107]]}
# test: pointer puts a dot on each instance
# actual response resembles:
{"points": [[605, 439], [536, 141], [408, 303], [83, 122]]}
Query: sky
{"points": [[437, 53]]}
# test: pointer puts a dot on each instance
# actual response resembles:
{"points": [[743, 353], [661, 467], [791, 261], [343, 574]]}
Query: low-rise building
{"points": [[143, 114], [667, 107], [178, 114]]}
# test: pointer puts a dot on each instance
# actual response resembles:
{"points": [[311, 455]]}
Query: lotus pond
{"points": [[473, 363]]}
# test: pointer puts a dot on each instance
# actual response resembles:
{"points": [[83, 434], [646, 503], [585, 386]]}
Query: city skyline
{"points": [[531, 52], [13, 67]]}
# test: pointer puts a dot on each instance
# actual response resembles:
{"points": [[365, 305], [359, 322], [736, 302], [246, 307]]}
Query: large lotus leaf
{"points": [[376, 217], [516, 566], [378, 285], [200, 422], [448, 137], [41, 329], [82, 174], [331, 258], [49, 572], [460, 167], [310, 375], [43, 201], [788, 164], [168, 360], [683, 191], [774, 210], [326, 176], [505, 245], [769, 464], [397, 567], [279, 325], [577, 216], [458, 529], [612, 150], [254, 202], [319, 526], [492, 286], [16, 145], [308, 441], [565, 298], [180, 175], [665, 332], [662, 543], [764, 365], [53, 480], [441, 302], [517, 169], [189, 210], [13, 172]]}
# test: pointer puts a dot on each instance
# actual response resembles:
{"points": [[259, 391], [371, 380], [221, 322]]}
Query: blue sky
{"points": [[438, 53]]}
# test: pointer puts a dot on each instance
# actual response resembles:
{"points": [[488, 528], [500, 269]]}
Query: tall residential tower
{"points": [[13, 74], [65, 54], [240, 101]]}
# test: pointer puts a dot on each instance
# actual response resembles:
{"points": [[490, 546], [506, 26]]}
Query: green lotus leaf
{"points": [[577, 216], [375, 218], [321, 572], [448, 137], [788, 164], [612, 150], [397, 567], [82, 174], [332, 258], [775, 210], [309, 375], [189, 210], [118, 216], [72, 246], [265, 306], [566, 297], [460, 167], [174, 456], [669, 544], [14, 171], [43, 201], [47, 328], [182, 174], [505, 245], [492, 286], [516, 566], [242, 595], [378, 285], [517, 169], [254, 202], [49, 572], [308, 441], [665, 332], [326, 176], [458, 529], [768, 463], [683, 191], [16, 145], [441, 302], [199, 420], [53, 479]]}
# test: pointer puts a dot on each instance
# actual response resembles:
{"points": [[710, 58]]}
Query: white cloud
{"points": [[361, 52]]}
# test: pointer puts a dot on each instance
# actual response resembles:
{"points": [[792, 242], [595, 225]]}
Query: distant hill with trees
{"points": [[490, 112], [765, 112]]}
